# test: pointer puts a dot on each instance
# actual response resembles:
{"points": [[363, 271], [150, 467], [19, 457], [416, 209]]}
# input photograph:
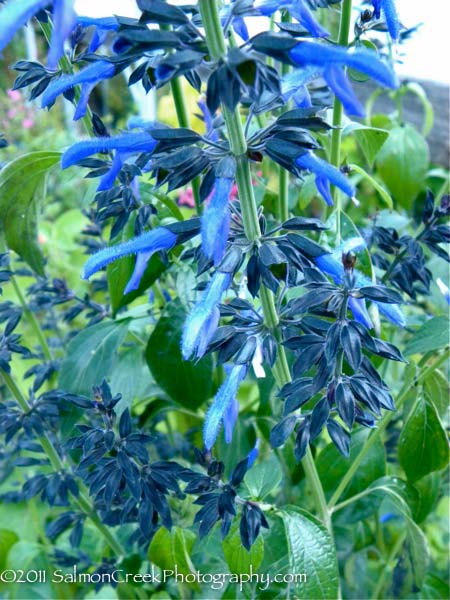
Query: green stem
{"points": [[80, 501], [377, 592], [32, 320], [183, 121], [376, 433], [336, 134], [217, 49]]}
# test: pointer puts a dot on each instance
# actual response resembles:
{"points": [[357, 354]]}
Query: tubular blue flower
{"points": [[298, 9], [224, 398], [331, 264], [253, 454], [325, 174], [144, 246], [101, 26], [329, 62], [87, 78], [64, 22], [211, 132], [202, 321], [124, 145], [293, 85], [390, 14], [229, 420], [16, 14], [216, 220]]}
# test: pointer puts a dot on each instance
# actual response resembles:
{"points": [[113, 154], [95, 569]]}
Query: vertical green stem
{"points": [[336, 134], [81, 501], [217, 48], [183, 121], [32, 320]]}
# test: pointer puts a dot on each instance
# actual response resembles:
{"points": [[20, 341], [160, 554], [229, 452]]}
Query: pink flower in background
{"points": [[186, 198], [27, 123], [14, 95]]}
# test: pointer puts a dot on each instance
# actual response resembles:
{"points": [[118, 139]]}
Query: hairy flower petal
{"points": [[91, 75], [147, 243], [127, 142], [202, 321], [326, 171], [15, 15], [299, 9], [64, 21], [216, 220], [224, 397]]}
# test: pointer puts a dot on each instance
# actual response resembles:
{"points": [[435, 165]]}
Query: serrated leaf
{"points": [[433, 335], [21, 184], [311, 551], [187, 382], [91, 355], [240, 560], [423, 445]]}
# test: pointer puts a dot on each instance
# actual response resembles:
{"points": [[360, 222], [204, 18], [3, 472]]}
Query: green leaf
{"points": [[240, 560], [332, 466], [188, 383], [22, 182], [403, 162], [263, 478], [423, 446], [7, 540], [428, 490], [311, 551], [437, 390], [379, 188], [433, 589], [370, 139], [91, 355], [170, 549], [433, 335]]}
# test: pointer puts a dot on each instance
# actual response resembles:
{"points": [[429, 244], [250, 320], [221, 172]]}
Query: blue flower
{"points": [[294, 85], [253, 454], [17, 13], [298, 9], [144, 246], [64, 22], [224, 398], [102, 26], [211, 131], [203, 320], [216, 220], [325, 174], [124, 146], [390, 14], [330, 62], [87, 78], [229, 419], [331, 264]]}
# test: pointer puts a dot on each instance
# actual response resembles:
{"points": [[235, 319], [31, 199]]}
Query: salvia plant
{"points": [[249, 385]]}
